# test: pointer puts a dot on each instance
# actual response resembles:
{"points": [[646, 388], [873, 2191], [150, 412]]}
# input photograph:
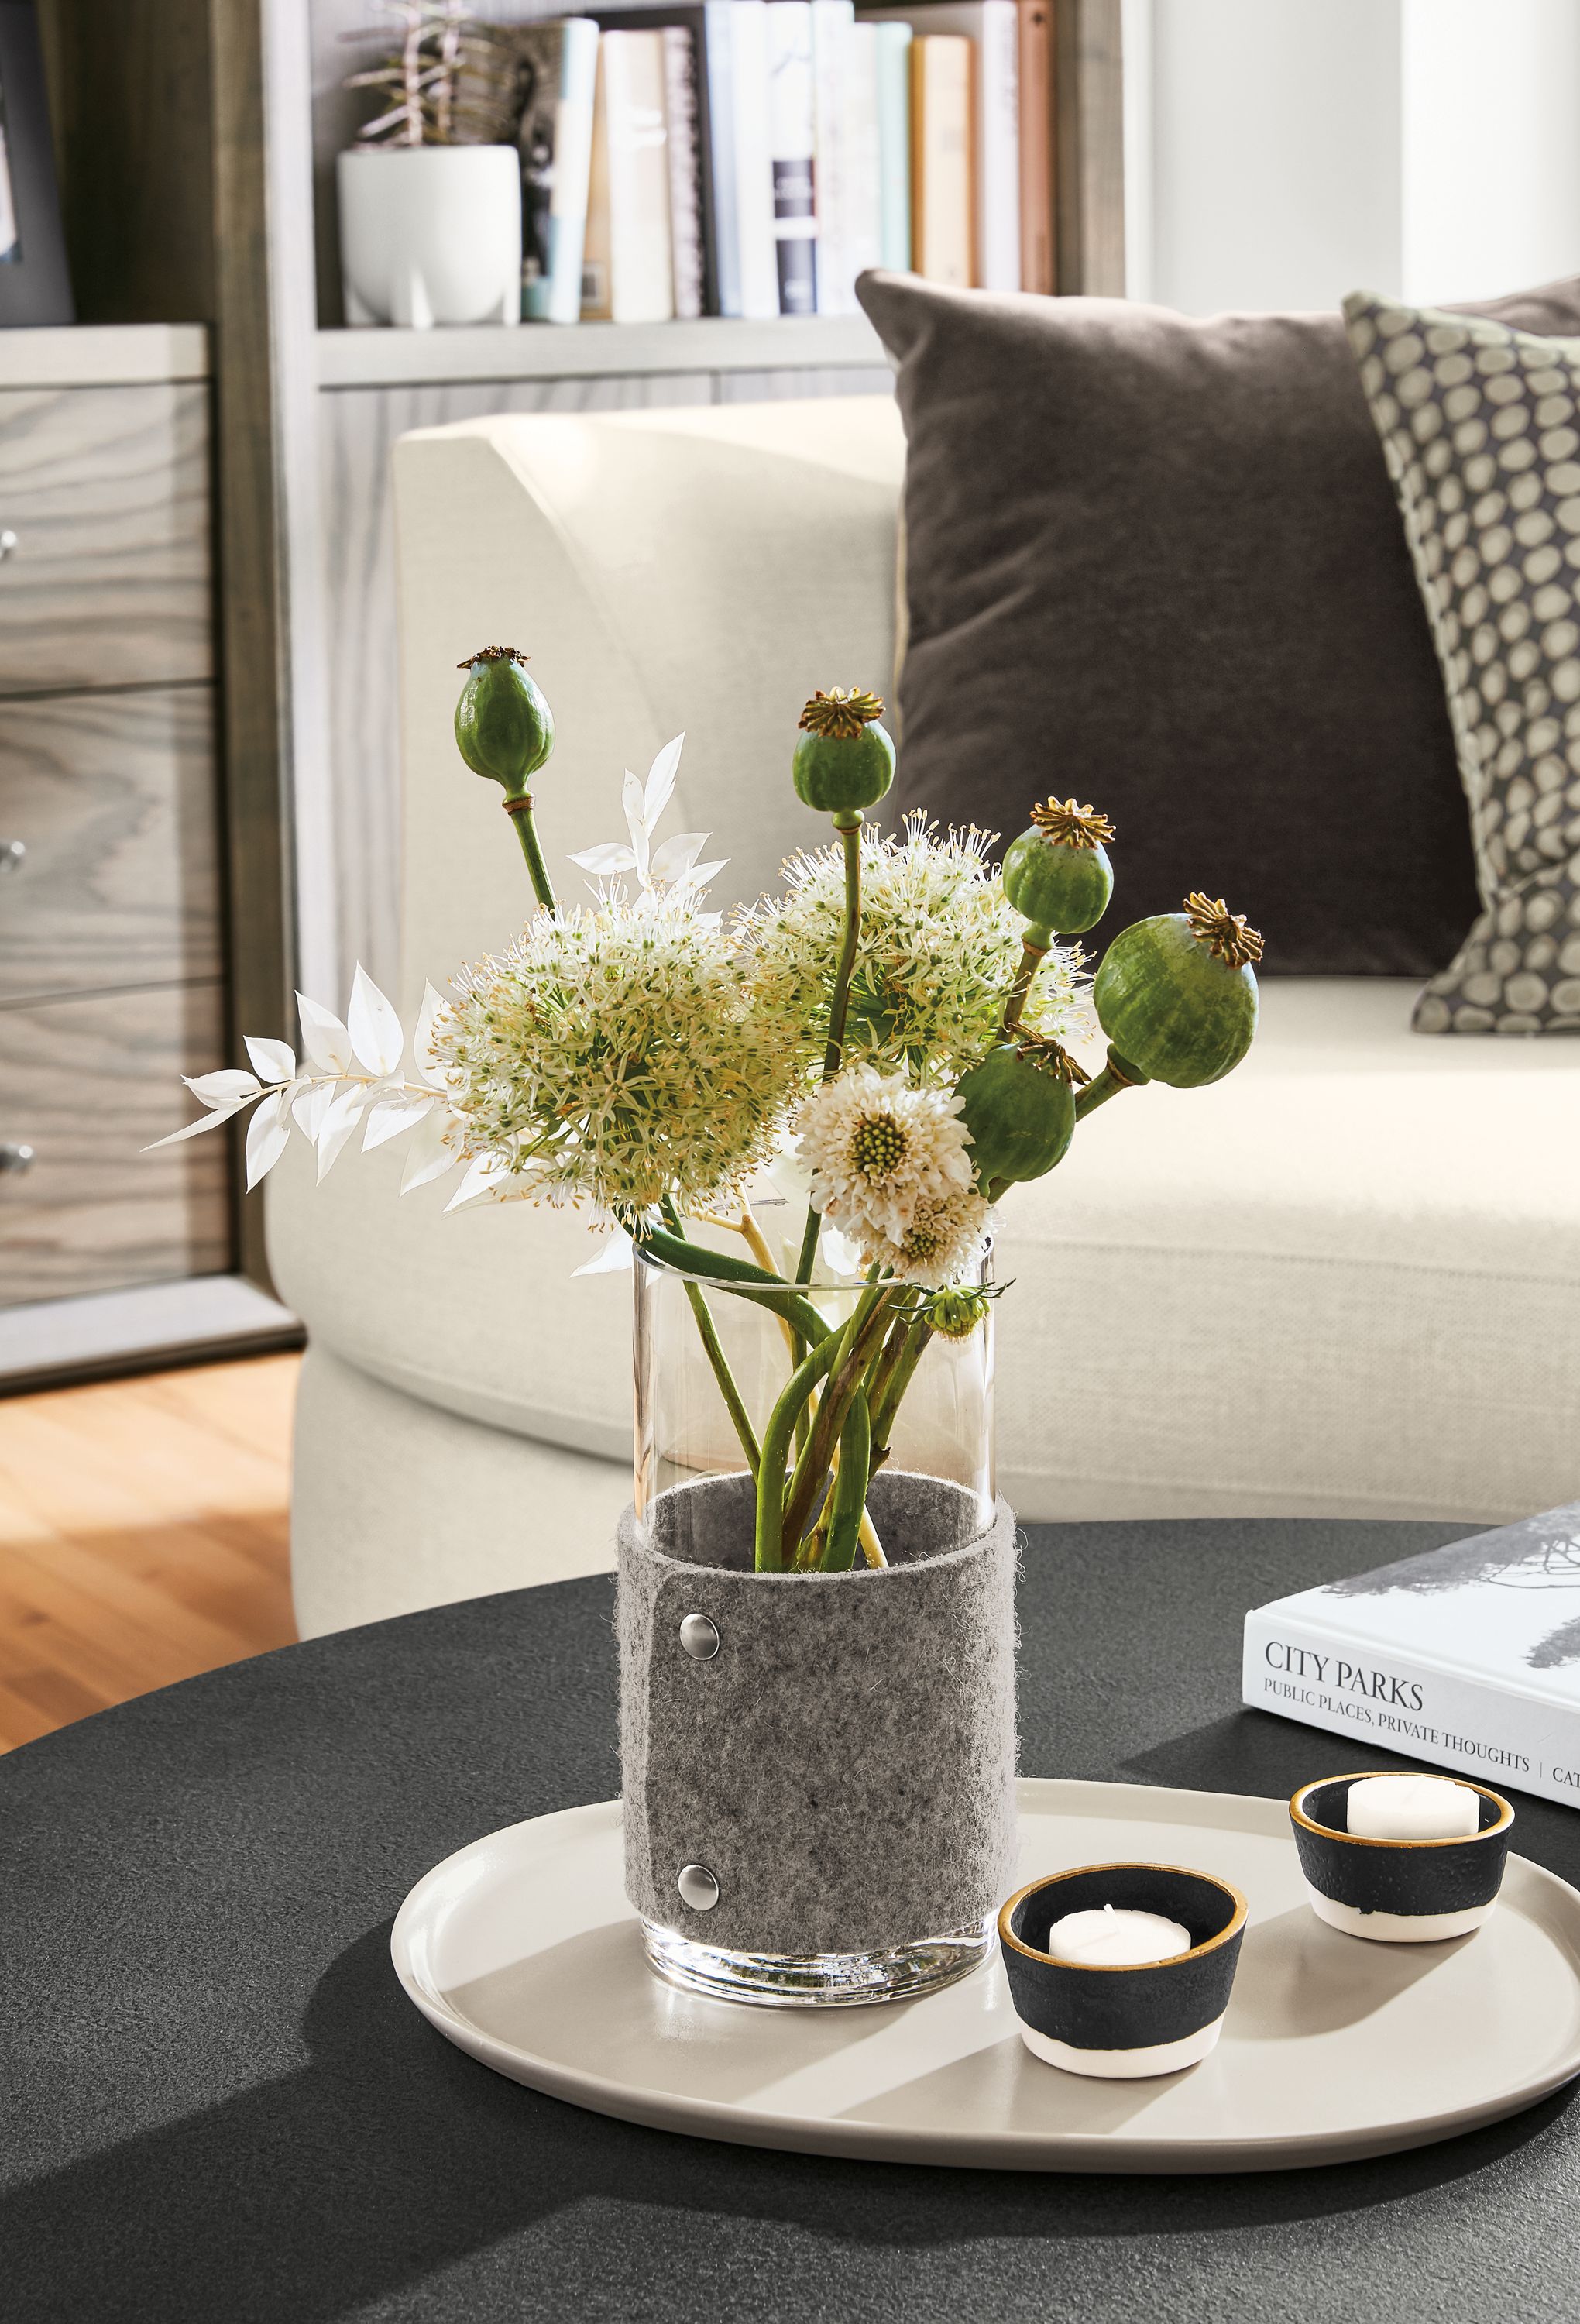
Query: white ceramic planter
{"points": [[430, 233]]}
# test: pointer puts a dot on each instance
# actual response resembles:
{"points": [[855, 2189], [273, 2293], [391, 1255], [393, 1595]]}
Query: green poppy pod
{"points": [[1019, 1107], [504, 728], [1058, 875], [1177, 996], [844, 760]]}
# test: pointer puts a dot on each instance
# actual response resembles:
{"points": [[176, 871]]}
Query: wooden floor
{"points": [[144, 1533]]}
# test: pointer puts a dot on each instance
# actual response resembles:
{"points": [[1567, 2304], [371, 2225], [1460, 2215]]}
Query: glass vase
{"points": [[684, 1428], [818, 1766]]}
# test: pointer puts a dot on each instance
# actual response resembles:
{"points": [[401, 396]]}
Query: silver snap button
{"points": [[699, 1637], [698, 1888]]}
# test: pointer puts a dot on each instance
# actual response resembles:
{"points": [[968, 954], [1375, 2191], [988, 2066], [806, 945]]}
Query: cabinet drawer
{"points": [[105, 490], [113, 797], [87, 1084]]}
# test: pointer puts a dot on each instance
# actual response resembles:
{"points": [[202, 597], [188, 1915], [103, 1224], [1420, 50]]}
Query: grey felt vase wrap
{"points": [[844, 1764]]}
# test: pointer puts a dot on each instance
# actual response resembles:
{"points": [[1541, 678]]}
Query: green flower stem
{"points": [[770, 1483], [1119, 1073], [736, 1275], [725, 1379], [708, 1331], [851, 838], [850, 832], [887, 1401], [849, 1497], [861, 1336], [1035, 946], [890, 1356], [520, 811]]}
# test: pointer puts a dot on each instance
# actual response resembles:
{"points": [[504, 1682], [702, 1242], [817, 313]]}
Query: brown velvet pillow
{"points": [[1157, 562]]}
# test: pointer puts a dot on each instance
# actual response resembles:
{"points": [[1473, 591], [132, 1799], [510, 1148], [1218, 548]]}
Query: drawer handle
{"points": [[9, 543], [13, 854], [14, 1160]]}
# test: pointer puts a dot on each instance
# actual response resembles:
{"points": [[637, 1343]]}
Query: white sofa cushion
{"points": [[1345, 1281], [697, 570]]}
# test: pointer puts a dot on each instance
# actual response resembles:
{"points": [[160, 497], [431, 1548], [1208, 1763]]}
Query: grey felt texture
{"points": [[1155, 559], [845, 1764]]}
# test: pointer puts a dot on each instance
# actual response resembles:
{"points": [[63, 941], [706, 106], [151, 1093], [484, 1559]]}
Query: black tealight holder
{"points": [[1122, 2021], [1408, 1892]]}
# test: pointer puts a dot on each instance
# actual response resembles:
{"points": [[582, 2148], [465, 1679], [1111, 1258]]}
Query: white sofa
{"points": [[1346, 1282]]}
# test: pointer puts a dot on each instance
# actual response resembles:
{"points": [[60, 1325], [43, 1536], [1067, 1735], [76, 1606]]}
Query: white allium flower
{"points": [[875, 1146], [938, 950], [613, 1054]]}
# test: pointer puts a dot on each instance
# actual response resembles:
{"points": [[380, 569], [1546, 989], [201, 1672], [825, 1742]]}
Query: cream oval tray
{"points": [[523, 1951]]}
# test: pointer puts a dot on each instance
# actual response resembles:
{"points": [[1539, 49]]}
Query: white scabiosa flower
{"points": [[944, 1242], [875, 1147]]}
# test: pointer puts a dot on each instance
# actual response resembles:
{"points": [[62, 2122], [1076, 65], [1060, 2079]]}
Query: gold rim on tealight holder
{"points": [[1366, 1840], [1185, 1871]]}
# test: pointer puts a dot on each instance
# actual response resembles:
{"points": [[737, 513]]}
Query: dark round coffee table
{"points": [[216, 2102]]}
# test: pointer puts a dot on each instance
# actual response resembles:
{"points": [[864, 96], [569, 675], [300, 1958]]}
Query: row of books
{"points": [[753, 157]]}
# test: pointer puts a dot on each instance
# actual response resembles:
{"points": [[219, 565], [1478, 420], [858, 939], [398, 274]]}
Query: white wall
{"points": [[1275, 159], [1490, 141], [1282, 152]]}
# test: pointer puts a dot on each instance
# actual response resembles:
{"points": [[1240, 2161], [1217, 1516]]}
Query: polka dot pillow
{"points": [[1481, 431]]}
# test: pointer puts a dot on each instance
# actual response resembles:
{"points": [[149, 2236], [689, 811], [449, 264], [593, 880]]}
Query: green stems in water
{"points": [[739, 1415], [737, 1274], [770, 1477], [858, 1343], [712, 1346], [520, 811], [850, 831], [906, 1346]]}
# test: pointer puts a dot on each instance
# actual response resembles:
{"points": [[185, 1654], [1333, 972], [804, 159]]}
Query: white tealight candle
{"points": [[1117, 1940], [1412, 1807]]}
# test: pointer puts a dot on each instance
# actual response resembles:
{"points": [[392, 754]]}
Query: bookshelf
{"points": [[197, 141], [392, 358]]}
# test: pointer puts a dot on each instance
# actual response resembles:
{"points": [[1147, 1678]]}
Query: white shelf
{"points": [[103, 355], [394, 359]]}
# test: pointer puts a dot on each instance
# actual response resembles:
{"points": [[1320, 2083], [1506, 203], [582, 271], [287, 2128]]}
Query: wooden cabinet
{"points": [[89, 1083], [112, 981], [113, 795], [104, 518]]}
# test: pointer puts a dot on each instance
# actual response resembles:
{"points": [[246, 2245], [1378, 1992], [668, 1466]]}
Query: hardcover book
{"points": [[892, 44], [682, 120], [833, 23], [790, 124], [993, 29], [942, 224], [695, 78], [755, 248], [1467, 1656], [627, 267], [863, 153]]}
